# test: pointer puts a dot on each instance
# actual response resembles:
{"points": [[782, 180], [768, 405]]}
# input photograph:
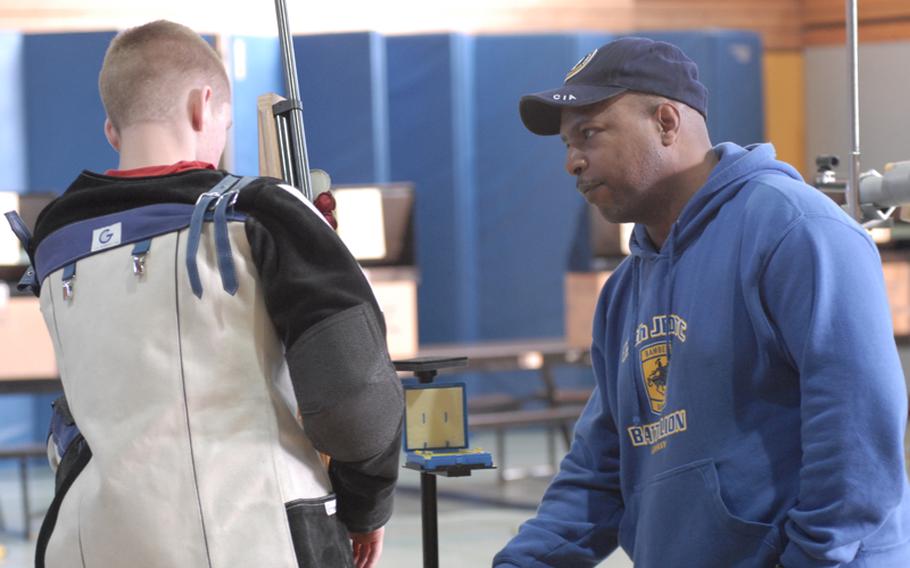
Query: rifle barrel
{"points": [[292, 139]]}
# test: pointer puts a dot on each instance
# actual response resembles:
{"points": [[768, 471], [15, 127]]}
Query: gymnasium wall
{"points": [[496, 215], [884, 81]]}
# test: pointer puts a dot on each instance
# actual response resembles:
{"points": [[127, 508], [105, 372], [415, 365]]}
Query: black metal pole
{"points": [[428, 520], [293, 141], [853, 165], [26, 509]]}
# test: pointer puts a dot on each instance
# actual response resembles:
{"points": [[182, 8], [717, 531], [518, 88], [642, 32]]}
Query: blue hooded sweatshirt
{"points": [[749, 406]]}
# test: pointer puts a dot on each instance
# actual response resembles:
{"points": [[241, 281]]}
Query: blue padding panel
{"points": [[345, 107], [12, 125], [16, 411], [16, 419], [526, 203], [256, 71], [730, 66], [431, 142], [43, 411], [64, 113]]}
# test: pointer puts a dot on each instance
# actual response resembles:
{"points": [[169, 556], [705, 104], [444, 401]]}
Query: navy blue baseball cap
{"points": [[629, 64]]}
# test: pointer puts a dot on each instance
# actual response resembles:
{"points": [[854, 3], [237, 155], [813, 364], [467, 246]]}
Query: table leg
{"points": [[549, 383], [428, 516], [26, 510]]}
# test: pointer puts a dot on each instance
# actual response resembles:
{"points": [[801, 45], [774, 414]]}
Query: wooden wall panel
{"points": [[898, 30], [785, 105], [390, 16], [555, 15], [879, 20], [822, 12], [778, 21], [783, 24]]}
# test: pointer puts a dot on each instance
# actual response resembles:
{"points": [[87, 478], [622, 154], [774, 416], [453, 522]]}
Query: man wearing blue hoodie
{"points": [[749, 408]]}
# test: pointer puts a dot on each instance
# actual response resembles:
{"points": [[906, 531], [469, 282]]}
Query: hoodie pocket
{"points": [[320, 539], [683, 521]]}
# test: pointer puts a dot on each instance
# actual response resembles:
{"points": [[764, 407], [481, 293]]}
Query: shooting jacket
{"points": [[192, 315]]}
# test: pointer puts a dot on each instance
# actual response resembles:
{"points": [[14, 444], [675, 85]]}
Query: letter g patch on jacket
{"points": [[106, 237]]}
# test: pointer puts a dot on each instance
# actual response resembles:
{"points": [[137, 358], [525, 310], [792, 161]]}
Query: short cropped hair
{"points": [[649, 103], [146, 68]]}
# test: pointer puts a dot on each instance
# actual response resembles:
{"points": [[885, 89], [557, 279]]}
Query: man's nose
{"points": [[575, 162]]}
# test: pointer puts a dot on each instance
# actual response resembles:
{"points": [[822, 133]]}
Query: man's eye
{"points": [[587, 133]]}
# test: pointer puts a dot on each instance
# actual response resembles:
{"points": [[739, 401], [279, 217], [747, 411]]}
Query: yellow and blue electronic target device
{"points": [[436, 428]]}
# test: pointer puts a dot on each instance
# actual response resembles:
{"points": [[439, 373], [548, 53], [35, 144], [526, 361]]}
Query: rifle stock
{"points": [[269, 150]]}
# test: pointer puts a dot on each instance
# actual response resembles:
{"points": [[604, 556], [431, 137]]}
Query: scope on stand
{"points": [[879, 194], [436, 438]]}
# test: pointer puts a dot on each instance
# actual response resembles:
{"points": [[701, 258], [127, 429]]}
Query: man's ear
{"points": [[113, 137], [200, 102], [668, 120]]}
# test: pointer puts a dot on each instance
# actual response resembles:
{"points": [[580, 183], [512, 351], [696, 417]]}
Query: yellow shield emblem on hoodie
{"points": [[655, 370]]}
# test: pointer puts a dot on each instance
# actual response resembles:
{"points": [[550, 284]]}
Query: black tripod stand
{"points": [[425, 369]]}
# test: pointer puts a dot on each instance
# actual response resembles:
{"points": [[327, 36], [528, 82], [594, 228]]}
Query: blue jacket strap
{"points": [[19, 228], [69, 275], [222, 239], [140, 249], [29, 281], [63, 429], [195, 231], [72, 242]]}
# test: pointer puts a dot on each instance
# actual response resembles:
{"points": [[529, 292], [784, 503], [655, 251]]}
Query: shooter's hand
{"points": [[326, 205], [367, 548]]}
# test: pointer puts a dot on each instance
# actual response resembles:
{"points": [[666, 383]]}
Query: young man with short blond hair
{"points": [[194, 313]]}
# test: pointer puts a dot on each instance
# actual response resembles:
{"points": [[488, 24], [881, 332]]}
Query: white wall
{"points": [[884, 95]]}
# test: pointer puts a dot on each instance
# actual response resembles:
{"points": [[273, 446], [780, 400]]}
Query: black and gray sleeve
{"points": [[333, 331]]}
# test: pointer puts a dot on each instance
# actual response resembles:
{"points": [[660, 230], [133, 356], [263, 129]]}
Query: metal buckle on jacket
{"points": [[207, 194], [68, 288], [231, 197], [139, 264]]}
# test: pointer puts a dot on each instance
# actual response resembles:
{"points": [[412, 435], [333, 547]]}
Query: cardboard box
{"points": [[26, 351], [582, 290], [897, 285], [396, 291], [10, 250], [376, 223]]}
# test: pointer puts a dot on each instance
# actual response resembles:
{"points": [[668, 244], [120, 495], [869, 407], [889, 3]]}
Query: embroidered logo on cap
{"points": [[106, 237], [580, 65]]}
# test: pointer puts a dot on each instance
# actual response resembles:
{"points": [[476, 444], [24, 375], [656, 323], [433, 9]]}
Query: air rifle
{"points": [[282, 138]]}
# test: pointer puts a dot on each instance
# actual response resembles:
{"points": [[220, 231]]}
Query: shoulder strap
{"points": [[222, 240], [220, 198], [77, 457], [28, 281]]}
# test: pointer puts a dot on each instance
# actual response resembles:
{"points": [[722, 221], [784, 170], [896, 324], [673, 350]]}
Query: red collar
{"points": [[151, 171]]}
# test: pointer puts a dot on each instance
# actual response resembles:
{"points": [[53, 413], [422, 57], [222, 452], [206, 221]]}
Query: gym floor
{"points": [[477, 514]]}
